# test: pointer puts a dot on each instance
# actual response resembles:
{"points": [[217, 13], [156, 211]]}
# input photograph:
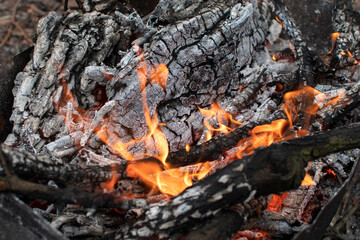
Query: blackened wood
{"points": [[346, 104], [214, 148], [322, 221], [6, 101], [19, 221], [28, 165], [205, 45], [343, 22], [279, 167], [302, 52], [227, 222]]}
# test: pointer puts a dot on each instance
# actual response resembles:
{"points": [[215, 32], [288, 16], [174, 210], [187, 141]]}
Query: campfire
{"points": [[193, 120]]}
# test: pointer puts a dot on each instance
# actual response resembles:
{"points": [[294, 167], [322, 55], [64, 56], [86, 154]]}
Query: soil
{"points": [[18, 20]]}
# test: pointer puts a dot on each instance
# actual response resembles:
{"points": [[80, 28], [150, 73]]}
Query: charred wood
{"points": [[28, 165], [345, 25], [305, 71], [279, 167]]}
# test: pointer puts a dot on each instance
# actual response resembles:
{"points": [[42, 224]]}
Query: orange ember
{"points": [[276, 201], [274, 57], [307, 181], [334, 37]]}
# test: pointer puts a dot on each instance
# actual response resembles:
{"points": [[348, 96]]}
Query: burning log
{"points": [[277, 168]]}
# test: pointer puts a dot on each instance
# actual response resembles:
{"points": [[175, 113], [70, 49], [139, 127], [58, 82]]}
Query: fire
{"points": [[330, 171], [114, 179], [306, 101], [168, 181], [334, 37], [160, 176], [224, 119], [278, 20], [274, 57], [307, 181], [276, 201]]}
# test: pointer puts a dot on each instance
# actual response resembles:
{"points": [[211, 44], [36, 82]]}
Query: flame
{"points": [[114, 179], [352, 58], [224, 119], [274, 57], [277, 19], [276, 201], [307, 181], [168, 181], [334, 37], [187, 148], [330, 171], [306, 100], [160, 176]]}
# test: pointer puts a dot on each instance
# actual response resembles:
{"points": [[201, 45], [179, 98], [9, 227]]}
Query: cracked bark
{"points": [[205, 54]]}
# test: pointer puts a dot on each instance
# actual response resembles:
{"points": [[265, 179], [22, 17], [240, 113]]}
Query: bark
{"points": [[205, 54], [279, 167], [28, 165]]}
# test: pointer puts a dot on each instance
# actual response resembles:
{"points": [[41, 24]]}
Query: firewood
{"points": [[344, 23], [29, 165], [305, 72], [279, 167]]}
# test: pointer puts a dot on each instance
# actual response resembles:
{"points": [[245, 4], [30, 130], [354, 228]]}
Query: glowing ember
{"points": [[330, 171], [334, 37], [307, 181], [274, 57], [276, 202]]}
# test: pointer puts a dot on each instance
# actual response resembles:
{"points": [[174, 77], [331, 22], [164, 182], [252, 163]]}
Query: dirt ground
{"points": [[18, 20]]}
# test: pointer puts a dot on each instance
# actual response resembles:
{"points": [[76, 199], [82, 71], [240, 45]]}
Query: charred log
{"points": [[279, 167]]}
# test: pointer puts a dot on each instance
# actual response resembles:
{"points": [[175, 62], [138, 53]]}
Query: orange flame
{"points": [[330, 171], [277, 19], [223, 120], [173, 181], [307, 181], [168, 181], [305, 100], [334, 37], [114, 179], [274, 57]]}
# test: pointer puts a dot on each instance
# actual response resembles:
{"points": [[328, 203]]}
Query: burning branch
{"points": [[277, 168]]}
